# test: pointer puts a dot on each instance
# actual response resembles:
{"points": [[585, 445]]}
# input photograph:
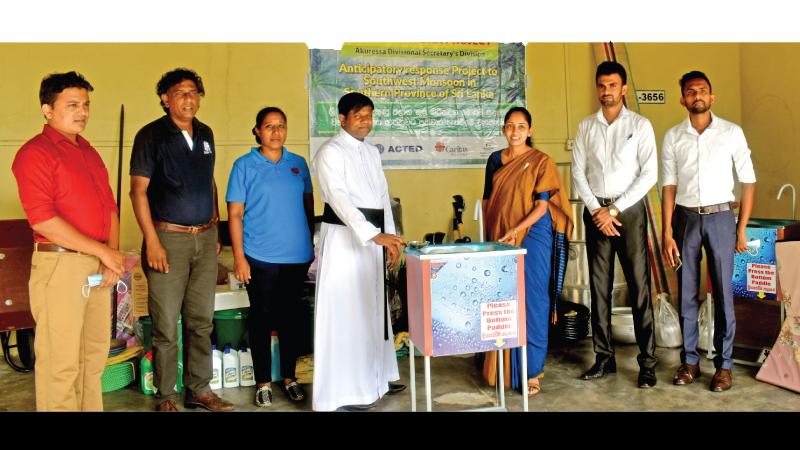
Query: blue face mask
{"points": [[95, 280]]}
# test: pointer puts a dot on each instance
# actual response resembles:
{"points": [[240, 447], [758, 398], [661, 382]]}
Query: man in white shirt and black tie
{"points": [[614, 165], [697, 161]]}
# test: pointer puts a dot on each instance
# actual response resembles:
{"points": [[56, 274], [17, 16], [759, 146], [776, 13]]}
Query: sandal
{"points": [[534, 386]]}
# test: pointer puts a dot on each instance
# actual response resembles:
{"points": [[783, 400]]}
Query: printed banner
{"points": [[474, 304], [754, 271], [437, 105]]}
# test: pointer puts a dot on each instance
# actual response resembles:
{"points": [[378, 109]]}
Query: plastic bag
{"points": [[668, 328], [704, 323]]}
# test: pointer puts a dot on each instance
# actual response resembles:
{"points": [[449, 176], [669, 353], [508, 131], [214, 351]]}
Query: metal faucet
{"points": [[794, 196]]}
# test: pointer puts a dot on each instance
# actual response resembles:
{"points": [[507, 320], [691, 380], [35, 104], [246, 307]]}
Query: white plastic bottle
{"points": [[230, 367], [246, 374], [216, 376]]}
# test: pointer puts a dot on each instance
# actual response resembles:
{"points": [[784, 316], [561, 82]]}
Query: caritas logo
{"points": [[439, 147]]}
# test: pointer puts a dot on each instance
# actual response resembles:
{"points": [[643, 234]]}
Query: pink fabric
{"points": [[782, 367]]}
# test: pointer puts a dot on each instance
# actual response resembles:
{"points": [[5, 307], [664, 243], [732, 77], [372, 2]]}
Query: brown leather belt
{"points": [[710, 209], [50, 247], [197, 229]]}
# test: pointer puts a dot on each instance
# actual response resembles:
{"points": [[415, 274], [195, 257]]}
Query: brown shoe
{"points": [[722, 380], [167, 406], [209, 401], [686, 374]]}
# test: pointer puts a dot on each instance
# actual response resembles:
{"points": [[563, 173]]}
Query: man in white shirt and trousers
{"points": [[354, 356], [697, 161], [614, 165]]}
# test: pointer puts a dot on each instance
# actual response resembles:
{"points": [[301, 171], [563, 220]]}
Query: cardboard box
{"points": [[139, 291]]}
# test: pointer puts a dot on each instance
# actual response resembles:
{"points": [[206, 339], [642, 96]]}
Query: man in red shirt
{"points": [[64, 190]]}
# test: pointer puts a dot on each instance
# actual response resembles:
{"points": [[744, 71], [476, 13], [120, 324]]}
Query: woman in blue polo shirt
{"points": [[270, 214]]}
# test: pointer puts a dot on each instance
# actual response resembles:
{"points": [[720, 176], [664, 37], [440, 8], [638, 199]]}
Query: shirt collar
{"points": [[602, 119], [712, 126], [176, 129], [349, 139], [257, 151], [56, 137]]}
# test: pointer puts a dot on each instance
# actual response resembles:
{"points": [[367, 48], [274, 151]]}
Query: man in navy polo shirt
{"points": [[175, 202]]}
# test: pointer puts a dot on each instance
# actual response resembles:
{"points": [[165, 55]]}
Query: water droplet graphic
{"points": [[474, 280], [474, 268], [467, 325], [505, 269], [487, 272], [463, 294], [475, 303], [458, 265]]}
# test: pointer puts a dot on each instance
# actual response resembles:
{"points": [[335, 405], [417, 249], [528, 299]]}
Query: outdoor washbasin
{"points": [[466, 297], [755, 271]]}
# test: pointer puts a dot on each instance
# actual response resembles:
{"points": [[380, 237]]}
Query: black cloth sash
{"points": [[373, 216]]}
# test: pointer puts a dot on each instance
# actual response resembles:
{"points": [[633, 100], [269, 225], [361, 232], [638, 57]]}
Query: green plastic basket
{"points": [[117, 376]]}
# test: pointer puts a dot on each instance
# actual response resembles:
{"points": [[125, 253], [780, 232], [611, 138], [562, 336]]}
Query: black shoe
{"points": [[293, 391], [356, 408], [395, 388], [647, 378], [600, 368]]}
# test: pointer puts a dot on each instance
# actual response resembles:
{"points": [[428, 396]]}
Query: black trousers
{"points": [[276, 303], [631, 249]]}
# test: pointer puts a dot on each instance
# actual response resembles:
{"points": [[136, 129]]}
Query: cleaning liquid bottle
{"points": [[230, 367], [246, 374], [179, 381], [146, 374], [216, 374]]}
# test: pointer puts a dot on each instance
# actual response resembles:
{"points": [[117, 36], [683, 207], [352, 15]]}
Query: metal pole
{"points": [[524, 350], [119, 209], [428, 402], [412, 374], [501, 381]]}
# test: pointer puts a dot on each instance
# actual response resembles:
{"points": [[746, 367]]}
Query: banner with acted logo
{"points": [[437, 105]]}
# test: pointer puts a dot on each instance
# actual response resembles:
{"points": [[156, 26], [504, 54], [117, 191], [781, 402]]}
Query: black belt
{"points": [[710, 209], [373, 216], [607, 201]]}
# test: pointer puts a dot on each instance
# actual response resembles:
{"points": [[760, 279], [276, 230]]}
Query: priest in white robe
{"points": [[353, 360]]}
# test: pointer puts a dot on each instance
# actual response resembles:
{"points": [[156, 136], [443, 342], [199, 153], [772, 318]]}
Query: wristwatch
{"points": [[612, 210]]}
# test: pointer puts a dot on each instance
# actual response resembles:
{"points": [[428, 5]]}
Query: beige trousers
{"points": [[73, 332]]}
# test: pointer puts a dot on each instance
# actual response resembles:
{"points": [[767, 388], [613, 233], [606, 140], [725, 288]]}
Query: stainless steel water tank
{"points": [[576, 278]]}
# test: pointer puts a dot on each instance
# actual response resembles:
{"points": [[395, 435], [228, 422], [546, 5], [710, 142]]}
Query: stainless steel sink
{"points": [[787, 230], [463, 248], [454, 249]]}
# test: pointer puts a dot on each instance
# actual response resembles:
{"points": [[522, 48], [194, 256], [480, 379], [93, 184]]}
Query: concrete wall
{"points": [[771, 118], [241, 78]]}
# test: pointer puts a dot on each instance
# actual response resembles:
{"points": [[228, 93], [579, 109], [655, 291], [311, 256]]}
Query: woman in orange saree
{"points": [[526, 205]]}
